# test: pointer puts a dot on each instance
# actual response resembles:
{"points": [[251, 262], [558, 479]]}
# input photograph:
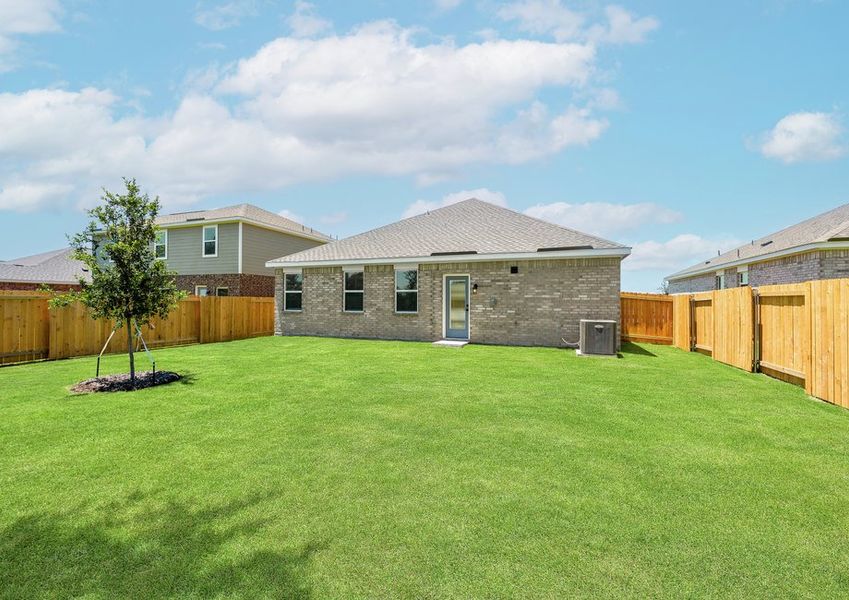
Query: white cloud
{"points": [[291, 216], [224, 15], [447, 4], [623, 27], [422, 206], [552, 17], [372, 101], [602, 218], [675, 254], [540, 17], [31, 196], [29, 16], [336, 218], [305, 23], [804, 136], [18, 18]]}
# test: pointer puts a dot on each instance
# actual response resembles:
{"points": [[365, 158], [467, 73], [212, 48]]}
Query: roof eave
{"points": [[620, 252], [843, 245]]}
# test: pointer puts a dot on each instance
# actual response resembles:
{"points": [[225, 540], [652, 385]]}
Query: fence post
{"points": [[692, 318], [756, 331], [808, 337]]}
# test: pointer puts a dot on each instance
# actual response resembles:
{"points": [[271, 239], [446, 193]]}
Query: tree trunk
{"points": [[129, 326]]}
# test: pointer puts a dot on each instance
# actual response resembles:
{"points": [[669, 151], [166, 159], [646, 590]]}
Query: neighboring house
{"points": [[814, 249], [470, 271], [224, 251], [55, 269]]}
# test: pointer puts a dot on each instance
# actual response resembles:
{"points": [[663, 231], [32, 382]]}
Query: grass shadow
{"points": [[148, 547], [187, 378], [634, 349]]}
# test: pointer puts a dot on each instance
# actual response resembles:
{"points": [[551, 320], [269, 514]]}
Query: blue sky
{"points": [[679, 128]]}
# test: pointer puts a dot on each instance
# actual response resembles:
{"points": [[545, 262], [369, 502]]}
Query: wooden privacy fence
{"points": [[796, 332], [646, 318], [29, 330]]}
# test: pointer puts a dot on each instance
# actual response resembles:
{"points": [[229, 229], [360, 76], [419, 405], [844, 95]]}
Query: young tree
{"points": [[127, 283]]}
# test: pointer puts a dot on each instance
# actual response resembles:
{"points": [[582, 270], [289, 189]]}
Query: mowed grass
{"points": [[300, 467]]}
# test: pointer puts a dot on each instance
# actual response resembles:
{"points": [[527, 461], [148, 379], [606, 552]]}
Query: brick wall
{"points": [[238, 285], [825, 264], [834, 264], [34, 287], [730, 278], [790, 269], [700, 283], [538, 306]]}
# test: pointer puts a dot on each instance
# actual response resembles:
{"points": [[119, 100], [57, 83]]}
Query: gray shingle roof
{"points": [[470, 226], [829, 226], [49, 267], [243, 212]]}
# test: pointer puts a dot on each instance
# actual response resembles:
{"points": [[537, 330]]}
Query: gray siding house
{"points": [[471, 271], [817, 248], [224, 251]]}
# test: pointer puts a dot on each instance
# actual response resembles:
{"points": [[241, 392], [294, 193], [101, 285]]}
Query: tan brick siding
{"points": [[700, 283], [790, 269], [537, 306]]}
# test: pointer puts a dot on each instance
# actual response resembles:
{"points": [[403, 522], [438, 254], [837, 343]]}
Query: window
{"points": [[222, 291], [210, 240], [160, 246], [353, 291], [407, 291], [201, 290], [720, 281], [293, 292], [743, 276]]}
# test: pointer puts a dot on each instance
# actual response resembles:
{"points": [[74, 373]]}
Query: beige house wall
{"points": [[540, 305]]}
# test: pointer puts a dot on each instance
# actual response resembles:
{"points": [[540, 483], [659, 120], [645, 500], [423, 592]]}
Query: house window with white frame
{"points": [[160, 245], [201, 290], [720, 280], [222, 291], [353, 291], [210, 241], [407, 291], [293, 292], [743, 276]]}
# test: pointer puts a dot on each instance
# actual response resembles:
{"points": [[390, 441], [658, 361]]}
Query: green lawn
{"points": [[330, 468]]}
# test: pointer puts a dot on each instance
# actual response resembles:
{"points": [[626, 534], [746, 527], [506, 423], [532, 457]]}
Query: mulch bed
{"points": [[121, 383]]}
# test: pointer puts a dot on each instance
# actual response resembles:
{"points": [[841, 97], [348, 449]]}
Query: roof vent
{"points": [[766, 243], [560, 248], [453, 253], [196, 219]]}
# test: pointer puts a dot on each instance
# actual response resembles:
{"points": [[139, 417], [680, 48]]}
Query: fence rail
{"points": [[29, 330], [797, 333]]}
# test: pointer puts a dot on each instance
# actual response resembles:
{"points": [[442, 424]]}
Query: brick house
{"points": [[224, 251], [817, 248], [471, 271], [55, 269]]}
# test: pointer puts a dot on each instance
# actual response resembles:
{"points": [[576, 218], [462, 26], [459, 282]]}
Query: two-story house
{"points": [[223, 251]]}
